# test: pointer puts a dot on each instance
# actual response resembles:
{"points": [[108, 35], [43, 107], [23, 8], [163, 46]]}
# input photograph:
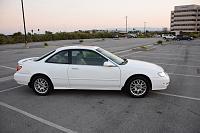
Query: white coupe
{"points": [[89, 67]]}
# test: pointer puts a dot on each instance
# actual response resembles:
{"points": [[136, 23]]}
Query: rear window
{"points": [[44, 56]]}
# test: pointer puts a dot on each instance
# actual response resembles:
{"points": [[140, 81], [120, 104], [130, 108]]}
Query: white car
{"points": [[89, 67], [168, 36]]}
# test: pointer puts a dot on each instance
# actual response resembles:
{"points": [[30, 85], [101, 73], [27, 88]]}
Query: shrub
{"points": [[144, 47], [46, 44], [159, 42], [81, 41]]}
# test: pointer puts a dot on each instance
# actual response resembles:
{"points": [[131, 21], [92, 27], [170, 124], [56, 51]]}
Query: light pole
{"points": [[145, 27], [24, 23], [126, 24]]}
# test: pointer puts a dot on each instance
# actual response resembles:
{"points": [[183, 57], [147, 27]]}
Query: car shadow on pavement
{"points": [[111, 93], [26, 91]]}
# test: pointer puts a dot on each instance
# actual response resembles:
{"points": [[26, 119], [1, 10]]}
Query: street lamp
{"points": [[24, 23], [126, 24], [145, 27]]}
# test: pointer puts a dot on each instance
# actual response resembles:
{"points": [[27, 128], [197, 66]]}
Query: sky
{"points": [[71, 15]]}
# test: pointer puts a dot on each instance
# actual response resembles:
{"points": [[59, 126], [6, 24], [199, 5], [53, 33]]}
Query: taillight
{"points": [[18, 67]]}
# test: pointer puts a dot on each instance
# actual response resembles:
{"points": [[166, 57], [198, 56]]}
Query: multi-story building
{"points": [[185, 18]]}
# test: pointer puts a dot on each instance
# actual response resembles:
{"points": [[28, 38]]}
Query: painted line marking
{"points": [[122, 51], [175, 50], [131, 53], [173, 95], [166, 58], [6, 78], [51, 124], [159, 53], [130, 49], [8, 67], [176, 74], [176, 65], [137, 52], [11, 88]]}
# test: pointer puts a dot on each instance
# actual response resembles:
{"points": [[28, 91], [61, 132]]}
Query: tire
{"points": [[41, 85], [138, 87]]}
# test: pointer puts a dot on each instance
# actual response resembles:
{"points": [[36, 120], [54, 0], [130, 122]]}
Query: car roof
{"points": [[77, 47]]}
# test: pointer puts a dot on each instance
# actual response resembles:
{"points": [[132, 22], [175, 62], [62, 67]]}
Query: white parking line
{"points": [[179, 55], [6, 78], [127, 50], [131, 53], [176, 65], [165, 58], [177, 74], [122, 51], [11, 88], [137, 52], [51, 124], [175, 50], [173, 95], [8, 67]]}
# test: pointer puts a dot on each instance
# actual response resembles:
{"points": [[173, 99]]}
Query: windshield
{"points": [[111, 56]]}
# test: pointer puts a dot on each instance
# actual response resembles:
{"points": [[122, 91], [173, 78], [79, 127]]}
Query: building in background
{"points": [[164, 29], [185, 18]]}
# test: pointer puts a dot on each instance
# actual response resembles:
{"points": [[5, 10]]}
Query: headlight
{"points": [[162, 74]]}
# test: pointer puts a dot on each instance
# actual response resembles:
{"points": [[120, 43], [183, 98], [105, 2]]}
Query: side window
{"points": [[59, 58], [87, 57]]}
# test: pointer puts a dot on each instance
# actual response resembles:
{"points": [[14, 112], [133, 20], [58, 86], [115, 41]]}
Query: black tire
{"points": [[142, 91], [41, 85]]}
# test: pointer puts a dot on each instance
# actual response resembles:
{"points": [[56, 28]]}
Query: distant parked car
{"points": [[131, 36], [115, 36], [157, 36], [168, 36], [183, 37], [89, 67]]}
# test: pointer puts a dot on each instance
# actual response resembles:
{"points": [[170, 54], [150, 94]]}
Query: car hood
{"points": [[143, 65], [20, 62]]}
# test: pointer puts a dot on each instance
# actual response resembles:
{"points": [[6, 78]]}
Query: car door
{"points": [[56, 68], [87, 71]]}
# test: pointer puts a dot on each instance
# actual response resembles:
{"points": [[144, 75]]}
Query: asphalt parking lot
{"points": [[174, 110]]}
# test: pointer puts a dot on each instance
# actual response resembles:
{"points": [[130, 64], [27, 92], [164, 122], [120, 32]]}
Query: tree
{"points": [[17, 34]]}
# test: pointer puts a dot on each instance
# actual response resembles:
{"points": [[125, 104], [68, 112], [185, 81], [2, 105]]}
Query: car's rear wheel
{"points": [[138, 87], [41, 85]]}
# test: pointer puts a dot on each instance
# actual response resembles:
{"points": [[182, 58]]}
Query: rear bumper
{"points": [[160, 83], [22, 78]]}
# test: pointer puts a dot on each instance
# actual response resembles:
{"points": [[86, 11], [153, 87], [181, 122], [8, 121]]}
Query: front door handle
{"points": [[74, 68]]}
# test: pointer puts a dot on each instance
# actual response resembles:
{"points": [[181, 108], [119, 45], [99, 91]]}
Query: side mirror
{"points": [[108, 64]]}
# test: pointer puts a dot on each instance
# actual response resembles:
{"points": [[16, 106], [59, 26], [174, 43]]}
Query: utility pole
{"points": [[126, 24], [145, 27], [24, 23]]}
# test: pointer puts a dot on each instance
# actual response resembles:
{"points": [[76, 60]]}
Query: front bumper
{"points": [[160, 83]]}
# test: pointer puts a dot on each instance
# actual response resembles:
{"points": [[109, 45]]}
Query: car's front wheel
{"points": [[138, 86], [41, 85]]}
